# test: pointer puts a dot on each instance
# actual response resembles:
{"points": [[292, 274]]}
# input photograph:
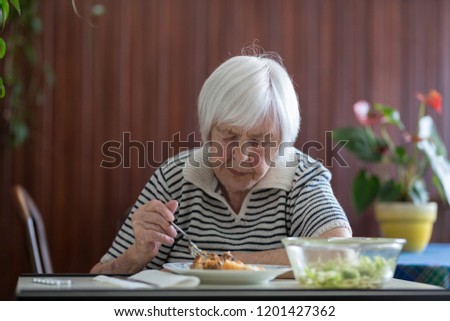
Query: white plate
{"points": [[270, 272]]}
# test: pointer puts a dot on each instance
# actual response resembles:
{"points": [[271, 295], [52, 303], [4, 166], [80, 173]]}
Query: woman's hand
{"points": [[151, 226]]}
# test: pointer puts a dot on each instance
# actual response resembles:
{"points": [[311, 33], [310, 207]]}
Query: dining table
{"points": [[85, 287]]}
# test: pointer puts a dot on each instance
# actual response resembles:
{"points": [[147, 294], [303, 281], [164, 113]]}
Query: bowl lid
{"points": [[357, 241]]}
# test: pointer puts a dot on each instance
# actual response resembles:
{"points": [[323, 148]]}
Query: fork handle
{"points": [[180, 230]]}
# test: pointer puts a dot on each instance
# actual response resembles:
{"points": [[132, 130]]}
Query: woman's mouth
{"points": [[237, 173]]}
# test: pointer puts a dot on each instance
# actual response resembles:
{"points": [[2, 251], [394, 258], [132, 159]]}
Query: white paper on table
{"points": [[154, 279]]}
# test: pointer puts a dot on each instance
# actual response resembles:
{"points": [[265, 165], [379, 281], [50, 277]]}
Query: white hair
{"points": [[246, 90]]}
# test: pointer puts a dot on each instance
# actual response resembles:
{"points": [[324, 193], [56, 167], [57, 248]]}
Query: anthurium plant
{"points": [[395, 170]]}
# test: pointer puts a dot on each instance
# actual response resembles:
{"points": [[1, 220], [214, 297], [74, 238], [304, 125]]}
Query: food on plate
{"points": [[367, 272], [225, 261]]}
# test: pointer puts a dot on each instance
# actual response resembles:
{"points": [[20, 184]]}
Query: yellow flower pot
{"points": [[413, 222]]}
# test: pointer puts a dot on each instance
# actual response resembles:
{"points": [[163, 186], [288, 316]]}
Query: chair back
{"points": [[36, 234]]}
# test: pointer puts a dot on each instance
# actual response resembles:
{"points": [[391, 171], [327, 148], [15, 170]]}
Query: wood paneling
{"points": [[139, 71]]}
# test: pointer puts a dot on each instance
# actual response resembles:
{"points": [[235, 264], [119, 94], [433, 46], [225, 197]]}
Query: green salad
{"points": [[366, 272]]}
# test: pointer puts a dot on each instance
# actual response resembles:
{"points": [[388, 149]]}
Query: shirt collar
{"points": [[279, 176]]}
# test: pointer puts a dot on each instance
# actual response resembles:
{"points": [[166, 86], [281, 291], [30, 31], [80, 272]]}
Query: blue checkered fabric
{"points": [[431, 266]]}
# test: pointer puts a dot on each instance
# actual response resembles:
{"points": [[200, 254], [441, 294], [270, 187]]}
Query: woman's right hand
{"points": [[151, 227]]}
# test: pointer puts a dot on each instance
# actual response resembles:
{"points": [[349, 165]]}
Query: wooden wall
{"points": [[139, 71]]}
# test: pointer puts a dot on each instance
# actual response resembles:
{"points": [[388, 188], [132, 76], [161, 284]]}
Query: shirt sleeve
{"points": [[314, 210], [155, 189]]}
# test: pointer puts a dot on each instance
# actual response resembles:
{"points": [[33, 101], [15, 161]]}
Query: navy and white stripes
{"points": [[306, 206]]}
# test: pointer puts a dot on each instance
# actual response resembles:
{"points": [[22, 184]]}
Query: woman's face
{"points": [[241, 158]]}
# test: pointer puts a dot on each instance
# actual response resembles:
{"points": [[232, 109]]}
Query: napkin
{"points": [[149, 279]]}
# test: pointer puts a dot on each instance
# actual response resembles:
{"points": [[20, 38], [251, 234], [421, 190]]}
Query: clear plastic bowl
{"points": [[343, 262]]}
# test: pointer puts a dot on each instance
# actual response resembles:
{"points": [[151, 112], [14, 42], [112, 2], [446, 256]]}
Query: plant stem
{"points": [[421, 114], [387, 138], [415, 158], [391, 146]]}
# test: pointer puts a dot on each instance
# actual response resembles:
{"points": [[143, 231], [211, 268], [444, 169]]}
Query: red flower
{"points": [[411, 138], [432, 99], [365, 114]]}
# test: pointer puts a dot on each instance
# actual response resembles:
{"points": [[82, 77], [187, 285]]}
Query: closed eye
{"points": [[255, 143], [231, 138]]}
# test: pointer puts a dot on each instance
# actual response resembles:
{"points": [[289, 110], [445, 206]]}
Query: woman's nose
{"points": [[240, 153]]}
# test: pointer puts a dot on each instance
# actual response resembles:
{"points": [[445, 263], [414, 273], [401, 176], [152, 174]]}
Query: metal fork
{"points": [[194, 250]]}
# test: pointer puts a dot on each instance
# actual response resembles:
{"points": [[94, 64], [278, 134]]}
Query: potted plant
{"points": [[394, 176]]}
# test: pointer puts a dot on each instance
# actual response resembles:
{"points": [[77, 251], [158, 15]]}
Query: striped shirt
{"points": [[294, 198]]}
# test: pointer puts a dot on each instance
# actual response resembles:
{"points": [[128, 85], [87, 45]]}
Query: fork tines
{"points": [[194, 250]]}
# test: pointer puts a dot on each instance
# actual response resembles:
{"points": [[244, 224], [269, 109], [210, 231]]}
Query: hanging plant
{"points": [[23, 71], [4, 14]]}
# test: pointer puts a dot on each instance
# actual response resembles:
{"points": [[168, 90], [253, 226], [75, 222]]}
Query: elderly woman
{"points": [[244, 190]]}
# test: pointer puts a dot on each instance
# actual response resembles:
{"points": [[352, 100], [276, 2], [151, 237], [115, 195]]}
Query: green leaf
{"points": [[391, 115], [418, 192], [428, 131], [430, 145], [2, 89], [441, 168], [361, 142], [5, 12], [400, 155], [36, 25], [437, 184], [19, 133], [391, 191], [364, 190], [2, 48], [16, 5], [98, 10]]}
